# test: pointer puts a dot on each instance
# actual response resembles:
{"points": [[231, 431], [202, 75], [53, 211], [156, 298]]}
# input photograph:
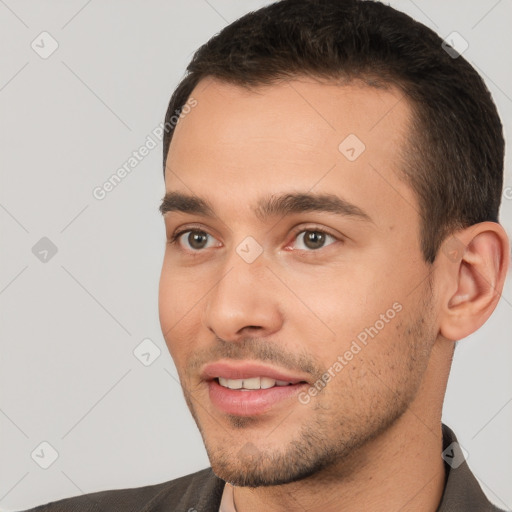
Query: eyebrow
{"points": [[269, 206]]}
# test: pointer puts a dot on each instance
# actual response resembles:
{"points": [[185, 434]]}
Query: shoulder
{"points": [[462, 491], [197, 492]]}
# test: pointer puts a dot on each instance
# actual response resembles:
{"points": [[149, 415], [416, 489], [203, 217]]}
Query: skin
{"points": [[371, 439]]}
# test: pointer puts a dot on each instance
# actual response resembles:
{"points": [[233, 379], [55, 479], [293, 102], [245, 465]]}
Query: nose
{"points": [[243, 302]]}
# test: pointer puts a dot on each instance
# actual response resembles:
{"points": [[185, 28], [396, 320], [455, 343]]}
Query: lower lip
{"points": [[250, 403]]}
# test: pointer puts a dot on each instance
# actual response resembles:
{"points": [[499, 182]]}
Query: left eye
{"points": [[313, 239]]}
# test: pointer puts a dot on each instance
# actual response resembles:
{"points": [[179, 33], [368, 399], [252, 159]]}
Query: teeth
{"points": [[252, 383], [267, 382], [231, 383]]}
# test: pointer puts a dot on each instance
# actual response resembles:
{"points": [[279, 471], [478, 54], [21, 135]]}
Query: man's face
{"points": [[338, 303]]}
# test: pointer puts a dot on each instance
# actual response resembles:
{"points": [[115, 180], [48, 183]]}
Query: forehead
{"points": [[237, 145]]}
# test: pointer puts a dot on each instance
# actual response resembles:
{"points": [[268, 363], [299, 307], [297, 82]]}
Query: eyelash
{"points": [[312, 229]]}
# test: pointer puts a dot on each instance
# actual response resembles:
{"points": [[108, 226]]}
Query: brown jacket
{"points": [[202, 492]]}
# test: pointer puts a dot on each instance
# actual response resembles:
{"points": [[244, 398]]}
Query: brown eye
{"points": [[313, 239], [197, 239]]}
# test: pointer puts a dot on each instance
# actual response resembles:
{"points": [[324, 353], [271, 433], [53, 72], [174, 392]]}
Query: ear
{"points": [[473, 264]]}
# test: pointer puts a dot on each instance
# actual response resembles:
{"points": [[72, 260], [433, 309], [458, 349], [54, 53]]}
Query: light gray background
{"points": [[68, 375]]}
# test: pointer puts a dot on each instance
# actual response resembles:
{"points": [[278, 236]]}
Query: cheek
{"points": [[167, 304], [176, 312], [359, 304], [346, 298], [368, 379], [179, 290]]}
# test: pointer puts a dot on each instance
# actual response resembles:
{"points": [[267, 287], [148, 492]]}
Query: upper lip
{"points": [[247, 370]]}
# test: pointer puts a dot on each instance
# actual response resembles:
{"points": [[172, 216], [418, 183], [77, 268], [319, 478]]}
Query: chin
{"points": [[252, 467], [260, 477]]}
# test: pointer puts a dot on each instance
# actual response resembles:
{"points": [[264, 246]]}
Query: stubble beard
{"points": [[326, 443]]}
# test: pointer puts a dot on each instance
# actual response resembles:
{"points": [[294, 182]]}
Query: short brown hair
{"points": [[455, 150]]}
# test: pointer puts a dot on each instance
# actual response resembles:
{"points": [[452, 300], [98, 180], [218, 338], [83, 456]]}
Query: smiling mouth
{"points": [[250, 388], [253, 383], [252, 396]]}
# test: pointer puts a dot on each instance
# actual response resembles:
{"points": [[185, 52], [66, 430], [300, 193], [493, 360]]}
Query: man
{"points": [[331, 211]]}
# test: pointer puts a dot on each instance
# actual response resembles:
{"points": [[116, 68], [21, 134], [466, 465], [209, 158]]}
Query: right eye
{"points": [[196, 239]]}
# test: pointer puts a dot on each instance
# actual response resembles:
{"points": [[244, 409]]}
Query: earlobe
{"points": [[476, 276]]}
